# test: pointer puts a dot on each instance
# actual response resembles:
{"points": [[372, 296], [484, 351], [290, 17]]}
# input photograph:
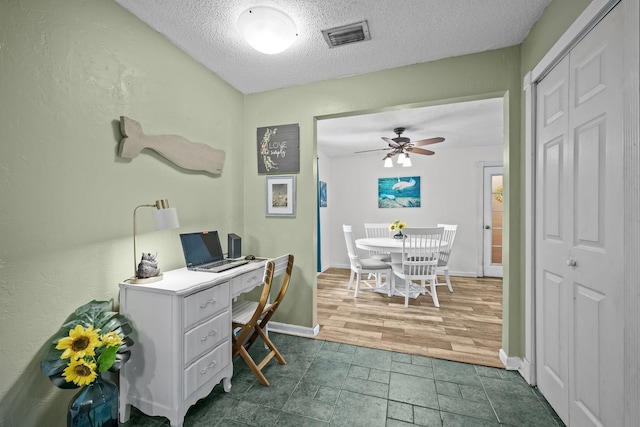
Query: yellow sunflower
{"points": [[80, 372], [397, 225], [81, 342], [111, 339]]}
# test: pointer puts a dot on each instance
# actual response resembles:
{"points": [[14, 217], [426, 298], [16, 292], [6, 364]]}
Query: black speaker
{"points": [[234, 244]]}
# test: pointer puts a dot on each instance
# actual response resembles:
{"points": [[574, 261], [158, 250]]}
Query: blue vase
{"points": [[95, 406]]}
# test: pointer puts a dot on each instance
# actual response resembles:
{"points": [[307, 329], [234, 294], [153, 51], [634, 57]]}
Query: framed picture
{"points": [[281, 195], [399, 192], [278, 149], [322, 194]]}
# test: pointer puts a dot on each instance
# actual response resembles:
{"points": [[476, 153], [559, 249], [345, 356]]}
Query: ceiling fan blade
{"points": [[366, 151], [391, 142], [414, 150], [428, 141]]}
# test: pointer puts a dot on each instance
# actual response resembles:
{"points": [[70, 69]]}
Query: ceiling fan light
{"points": [[400, 158], [407, 162], [267, 30], [388, 163]]}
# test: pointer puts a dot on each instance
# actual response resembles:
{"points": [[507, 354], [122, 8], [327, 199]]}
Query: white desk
{"points": [[182, 338], [394, 247]]}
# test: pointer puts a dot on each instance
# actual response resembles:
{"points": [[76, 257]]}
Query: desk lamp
{"points": [[164, 218]]}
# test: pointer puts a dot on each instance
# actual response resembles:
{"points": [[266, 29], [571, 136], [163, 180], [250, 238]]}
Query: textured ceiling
{"points": [[403, 32], [464, 124]]}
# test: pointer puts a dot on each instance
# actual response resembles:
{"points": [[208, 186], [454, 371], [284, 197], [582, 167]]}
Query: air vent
{"points": [[347, 34]]}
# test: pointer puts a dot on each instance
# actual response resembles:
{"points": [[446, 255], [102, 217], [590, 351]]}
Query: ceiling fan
{"points": [[403, 145]]}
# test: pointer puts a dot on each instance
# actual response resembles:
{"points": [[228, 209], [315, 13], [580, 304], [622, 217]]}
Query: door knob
{"points": [[486, 227], [571, 262]]}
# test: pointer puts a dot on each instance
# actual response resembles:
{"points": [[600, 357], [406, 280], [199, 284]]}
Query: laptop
{"points": [[203, 252]]}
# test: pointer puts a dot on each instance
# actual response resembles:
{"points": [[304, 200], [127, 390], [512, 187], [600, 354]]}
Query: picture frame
{"points": [[278, 149], [399, 192], [281, 195], [322, 194]]}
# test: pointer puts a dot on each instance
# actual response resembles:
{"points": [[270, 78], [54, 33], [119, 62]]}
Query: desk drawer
{"points": [[247, 281], [206, 368], [206, 303], [203, 338]]}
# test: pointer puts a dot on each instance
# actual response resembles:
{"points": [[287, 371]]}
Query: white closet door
{"points": [[553, 296], [579, 238]]}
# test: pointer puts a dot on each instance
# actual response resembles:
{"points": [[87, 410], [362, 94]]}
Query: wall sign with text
{"points": [[279, 149]]}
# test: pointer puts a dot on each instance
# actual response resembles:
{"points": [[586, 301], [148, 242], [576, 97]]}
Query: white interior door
{"points": [[579, 224], [493, 208]]}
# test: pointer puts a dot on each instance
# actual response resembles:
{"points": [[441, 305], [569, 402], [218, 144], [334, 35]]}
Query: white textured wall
{"points": [[449, 191]]}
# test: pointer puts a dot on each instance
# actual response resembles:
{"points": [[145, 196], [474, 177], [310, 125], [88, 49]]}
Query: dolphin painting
{"points": [[401, 185]]}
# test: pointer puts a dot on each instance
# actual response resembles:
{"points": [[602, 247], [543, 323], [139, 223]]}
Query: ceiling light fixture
{"points": [[407, 161], [267, 30], [388, 163]]}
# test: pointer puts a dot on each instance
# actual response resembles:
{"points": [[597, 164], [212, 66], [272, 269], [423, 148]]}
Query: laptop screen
{"points": [[201, 248]]}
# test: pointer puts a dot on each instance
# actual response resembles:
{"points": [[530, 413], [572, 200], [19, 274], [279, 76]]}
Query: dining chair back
{"points": [[378, 230], [250, 318], [364, 265], [420, 253], [447, 239]]}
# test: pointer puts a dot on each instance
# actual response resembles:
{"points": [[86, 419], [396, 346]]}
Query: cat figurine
{"points": [[148, 266]]}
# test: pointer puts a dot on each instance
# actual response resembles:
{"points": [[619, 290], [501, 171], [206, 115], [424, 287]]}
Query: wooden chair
{"points": [[443, 261], [420, 252], [250, 318], [366, 265]]}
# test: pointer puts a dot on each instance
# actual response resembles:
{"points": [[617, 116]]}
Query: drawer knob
{"points": [[209, 366], [209, 301], [252, 279], [210, 334]]}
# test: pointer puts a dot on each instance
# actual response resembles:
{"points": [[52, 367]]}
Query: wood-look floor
{"points": [[466, 328]]}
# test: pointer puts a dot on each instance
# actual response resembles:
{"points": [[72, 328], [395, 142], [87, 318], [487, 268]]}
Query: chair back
{"points": [[377, 230], [269, 268], [283, 265], [420, 251], [448, 237], [351, 247]]}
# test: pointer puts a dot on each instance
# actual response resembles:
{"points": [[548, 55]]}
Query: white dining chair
{"points": [[420, 252], [447, 244], [360, 266], [378, 230]]}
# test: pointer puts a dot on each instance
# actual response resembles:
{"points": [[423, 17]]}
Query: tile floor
{"points": [[332, 384]]}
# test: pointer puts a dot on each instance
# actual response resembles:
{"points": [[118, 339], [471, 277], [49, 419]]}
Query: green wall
{"points": [[455, 79], [70, 68]]}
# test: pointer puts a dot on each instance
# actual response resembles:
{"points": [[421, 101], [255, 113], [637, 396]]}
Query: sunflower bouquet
{"points": [[397, 226], [92, 340]]}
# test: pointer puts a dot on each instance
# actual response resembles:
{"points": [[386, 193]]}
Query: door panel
{"points": [[596, 356], [493, 210], [552, 304], [579, 231]]}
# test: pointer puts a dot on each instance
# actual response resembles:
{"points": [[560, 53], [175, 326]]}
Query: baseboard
{"points": [[510, 363], [526, 372], [299, 331]]}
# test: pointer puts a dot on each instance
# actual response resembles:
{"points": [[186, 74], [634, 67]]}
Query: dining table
{"points": [[394, 247]]}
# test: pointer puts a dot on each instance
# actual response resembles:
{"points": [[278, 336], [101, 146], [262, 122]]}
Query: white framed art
{"points": [[281, 195]]}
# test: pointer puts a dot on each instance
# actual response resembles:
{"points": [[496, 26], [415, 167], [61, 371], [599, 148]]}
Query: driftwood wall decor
{"points": [[184, 153]]}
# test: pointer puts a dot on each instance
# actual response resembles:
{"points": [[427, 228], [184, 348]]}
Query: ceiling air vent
{"points": [[347, 34]]}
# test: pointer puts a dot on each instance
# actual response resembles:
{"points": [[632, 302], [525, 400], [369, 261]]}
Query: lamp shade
{"points": [[165, 219], [388, 163], [266, 29], [407, 162]]}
